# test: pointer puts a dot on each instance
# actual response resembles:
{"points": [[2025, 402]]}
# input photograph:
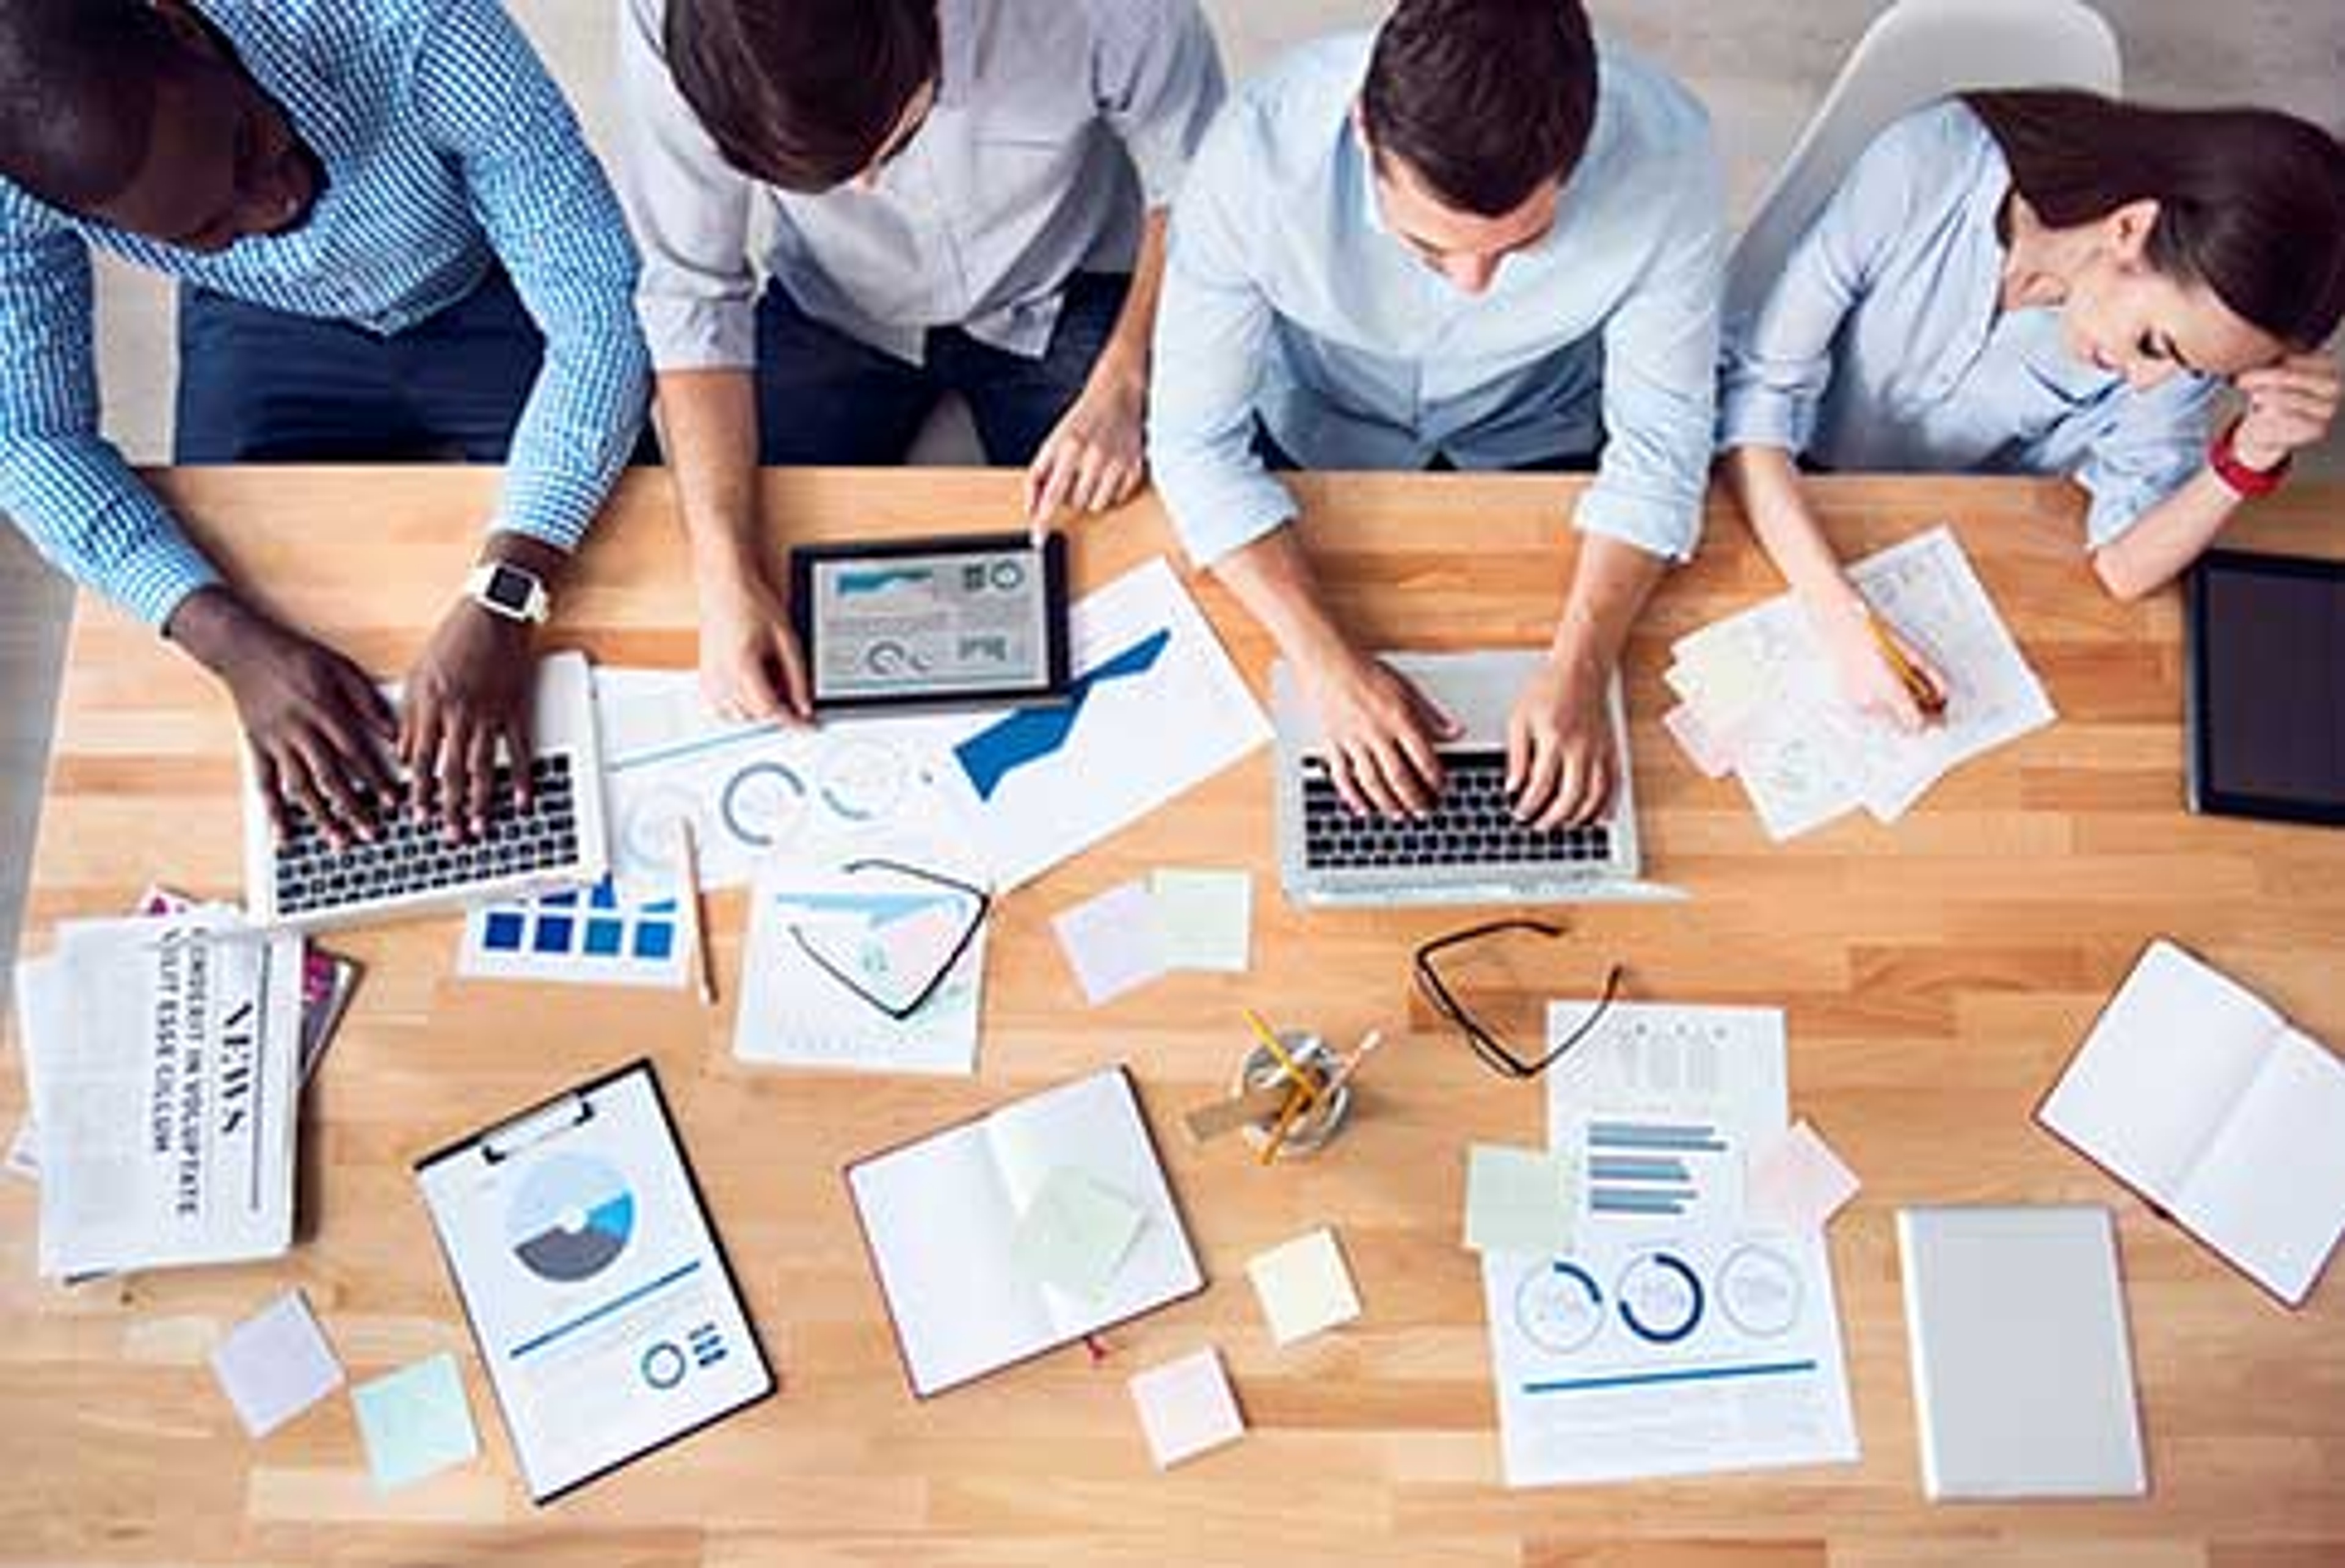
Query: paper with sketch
{"points": [[163, 1059], [1157, 708], [752, 793], [830, 947], [1759, 689], [1636, 1357]]}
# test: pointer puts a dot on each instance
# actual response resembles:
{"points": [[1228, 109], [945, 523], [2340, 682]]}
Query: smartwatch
{"points": [[512, 591]]}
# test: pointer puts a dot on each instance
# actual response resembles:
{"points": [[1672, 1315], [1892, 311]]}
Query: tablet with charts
{"points": [[932, 623]]}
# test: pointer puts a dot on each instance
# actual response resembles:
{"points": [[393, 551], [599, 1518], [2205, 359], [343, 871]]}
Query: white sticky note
{"points": [[1304, 1287], [415, 1422], [1204, 919], [1076, 1233], [1112, 942], [1797, 1182], [275, 1365], [1187, 1408], [1519, 1200]]}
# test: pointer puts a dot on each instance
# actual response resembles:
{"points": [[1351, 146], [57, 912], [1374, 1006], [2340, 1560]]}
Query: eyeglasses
{"points": [[1487, 1044], [979, 903]]}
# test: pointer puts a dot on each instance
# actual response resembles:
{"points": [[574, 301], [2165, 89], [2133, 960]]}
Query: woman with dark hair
{"points": [[2045, 282]]}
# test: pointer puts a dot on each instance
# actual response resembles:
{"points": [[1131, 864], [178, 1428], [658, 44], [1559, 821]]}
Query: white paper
{"points": [[595, 1292], [1158, 709], [752, 793], [163, 1059], [1761, 685], [1639, 1357], [2269, 1192], [584, 936], [888, 931]]}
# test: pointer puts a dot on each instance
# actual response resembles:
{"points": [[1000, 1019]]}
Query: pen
{"points": [[1923, 691], [695, 917]]}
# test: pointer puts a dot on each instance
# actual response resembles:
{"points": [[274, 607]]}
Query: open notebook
{"points": [[2193, 1090], [941, 1215]]}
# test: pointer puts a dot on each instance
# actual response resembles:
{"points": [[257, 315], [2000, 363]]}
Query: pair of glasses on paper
{"points": [[899, 983], [1486, 1041]]}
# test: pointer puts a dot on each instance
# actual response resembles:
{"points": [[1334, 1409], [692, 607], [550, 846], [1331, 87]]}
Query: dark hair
{"points": [[2250, 202], [77, 82], [801, 94], [1487, 100]]}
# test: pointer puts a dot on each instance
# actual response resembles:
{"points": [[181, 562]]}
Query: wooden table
{"points": [[1937, 974]]}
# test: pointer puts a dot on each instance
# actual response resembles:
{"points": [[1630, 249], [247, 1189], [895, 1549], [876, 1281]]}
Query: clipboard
{"points": [[602, 1304]]}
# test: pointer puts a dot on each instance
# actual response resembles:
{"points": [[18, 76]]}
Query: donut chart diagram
{"points": [[571, 1219], [1662, 1297]]}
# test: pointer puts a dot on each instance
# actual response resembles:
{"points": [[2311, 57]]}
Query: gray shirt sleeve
{"points": [[690, 210], [1158, 76]]}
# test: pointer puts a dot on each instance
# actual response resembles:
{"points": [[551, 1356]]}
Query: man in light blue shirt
{"points": [[390, 236], [1475, 241], [851, 207]]}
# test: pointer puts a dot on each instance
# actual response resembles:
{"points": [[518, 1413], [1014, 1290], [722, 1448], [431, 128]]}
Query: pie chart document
{"points": [[603, 1309]]}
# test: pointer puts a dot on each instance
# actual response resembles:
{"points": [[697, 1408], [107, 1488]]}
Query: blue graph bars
{"points": [[1642, 1168]]}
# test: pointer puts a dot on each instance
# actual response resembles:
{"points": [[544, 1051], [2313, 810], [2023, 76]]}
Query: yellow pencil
{"points": [[1923, 691], [1297, 1100], [1351, 1065], [694, 913], [1285, 1062]]}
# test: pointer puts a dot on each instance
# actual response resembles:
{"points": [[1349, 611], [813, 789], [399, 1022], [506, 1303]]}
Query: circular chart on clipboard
{"points": [[1558, 1308], [571, 1217], [763, 803]]}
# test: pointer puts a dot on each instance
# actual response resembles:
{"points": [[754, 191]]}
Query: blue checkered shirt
{"points": [[448, 150]]}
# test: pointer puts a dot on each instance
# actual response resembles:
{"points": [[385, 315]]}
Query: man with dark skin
{"points": [[392, 239]]}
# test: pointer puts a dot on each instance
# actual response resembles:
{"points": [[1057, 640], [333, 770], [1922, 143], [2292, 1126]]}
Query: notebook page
{"points": [[2174, 1050], [1094, 1125], [2270, 1191], [939, 1226]]}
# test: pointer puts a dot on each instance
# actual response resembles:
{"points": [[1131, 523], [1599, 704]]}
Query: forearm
{"points": [[1273, 577], [1126, 352], [2166, 538], [1609, 589], [1765, 484], [708, 422]]}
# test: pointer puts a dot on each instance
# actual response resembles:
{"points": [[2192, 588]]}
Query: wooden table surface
{"points": [[1936, 975]]}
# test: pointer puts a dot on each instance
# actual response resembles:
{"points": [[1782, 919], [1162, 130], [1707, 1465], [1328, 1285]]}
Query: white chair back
{"points": [[1915, 52]]}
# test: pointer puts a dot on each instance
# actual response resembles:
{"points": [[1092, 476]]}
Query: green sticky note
{"points": [[1204, 919], [1519, 1200], [415, 1422], [1076, 1233]]}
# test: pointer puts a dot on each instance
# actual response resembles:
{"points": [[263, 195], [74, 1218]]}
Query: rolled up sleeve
{"points": [[67, 489], [697, 300], [1212, 331], [556, 224], [1661, 381], [1159, 84], [2155, 443]]}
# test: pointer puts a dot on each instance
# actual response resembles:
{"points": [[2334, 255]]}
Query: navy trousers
{"points": [[824, 398]]}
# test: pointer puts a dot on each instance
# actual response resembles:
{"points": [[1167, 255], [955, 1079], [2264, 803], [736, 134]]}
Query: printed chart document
{"points": [[1761, 702], [163, 1057], [603, 1309], [1157, 708], [2193, 1090], [1675, 1335], [942, 1216]]}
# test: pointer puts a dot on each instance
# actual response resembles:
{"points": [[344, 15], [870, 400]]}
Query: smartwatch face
{"points": [[510, 591]]}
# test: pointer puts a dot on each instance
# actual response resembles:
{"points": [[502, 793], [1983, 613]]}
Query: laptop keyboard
{"points": [[409, 856], [1472, 824]]}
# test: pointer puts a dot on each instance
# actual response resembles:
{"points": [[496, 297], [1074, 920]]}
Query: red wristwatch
{"points": [[2247, 484]]}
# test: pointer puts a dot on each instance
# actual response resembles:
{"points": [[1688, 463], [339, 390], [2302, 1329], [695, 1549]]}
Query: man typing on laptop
{"points": [[1475, 240]]}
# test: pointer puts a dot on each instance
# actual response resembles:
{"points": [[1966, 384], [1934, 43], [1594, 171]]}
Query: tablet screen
{"points": [[2269, 659], [955, 621]]}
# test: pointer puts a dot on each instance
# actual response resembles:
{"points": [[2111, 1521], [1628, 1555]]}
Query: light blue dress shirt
{"points": [[447, 149], [1287, 299], [1883, 347], [1057, 125]]}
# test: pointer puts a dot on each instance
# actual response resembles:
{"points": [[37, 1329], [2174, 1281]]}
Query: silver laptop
{"points": [[411, 868], [1471, 851]]}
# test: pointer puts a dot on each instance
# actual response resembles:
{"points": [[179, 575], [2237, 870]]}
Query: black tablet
{"points": [[2265, 710], [932, 623]]}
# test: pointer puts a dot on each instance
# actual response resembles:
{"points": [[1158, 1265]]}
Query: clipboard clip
{"points": [[531, 1128]]}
